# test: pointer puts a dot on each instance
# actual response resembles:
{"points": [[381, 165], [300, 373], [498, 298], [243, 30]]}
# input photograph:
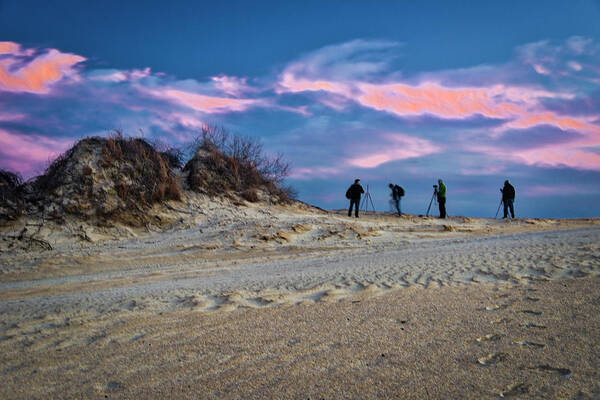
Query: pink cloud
{"points": [[38, 74], [398, 147], [309, 173], [302, 110], [189, 121], [571, 155], [575, 66], [289, 83], [514, 103], [232, 85], [25, 153], [524, 95], [540, 69], [206, 104], [121, 76], [529, 120], [561, 156], [11, 117], [519, 105], [9, 48], [482, 170], [557, 190], [431, 98]]}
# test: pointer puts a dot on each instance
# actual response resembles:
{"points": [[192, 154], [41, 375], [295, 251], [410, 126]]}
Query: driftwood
{"points": [[29, 240]]}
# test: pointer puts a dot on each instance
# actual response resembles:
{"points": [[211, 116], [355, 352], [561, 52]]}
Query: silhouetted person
{"points": [[353, 193], [441, 198], [397, 193], [508, 198]]}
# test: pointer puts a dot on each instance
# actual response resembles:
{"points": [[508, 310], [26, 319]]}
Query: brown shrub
{"points": [[250, 195], [150, 171], [121, 189], [12, 204], [87, 170], [224, 164], [174, 189], [112, 149]]}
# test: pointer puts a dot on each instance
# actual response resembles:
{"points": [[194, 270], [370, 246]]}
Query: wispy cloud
{"points": [[394, 147], [233, 85], [204, 103], [559, 190]]}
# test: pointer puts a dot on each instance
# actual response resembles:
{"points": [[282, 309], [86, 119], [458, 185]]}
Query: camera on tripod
{"points": [[433, 198]]}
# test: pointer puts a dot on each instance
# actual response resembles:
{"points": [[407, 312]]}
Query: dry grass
{"points": [[11, 195], [118, 176], [149, 171], [225, 165]]}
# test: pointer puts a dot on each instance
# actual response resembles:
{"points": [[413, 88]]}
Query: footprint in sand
{"points": [[533, 299], [529, 343], [492, 358], [563, 372], [514, 390], [532, 325], [489, 337], [532, 312], [502, 320]]}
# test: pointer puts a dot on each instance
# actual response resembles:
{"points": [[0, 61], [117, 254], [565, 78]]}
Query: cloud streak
{"points": [[396, 147], [204, 103]]}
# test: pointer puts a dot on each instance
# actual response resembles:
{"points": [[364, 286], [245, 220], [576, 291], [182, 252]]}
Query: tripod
{"points": [[433, 199], [366, 200], [498, 210]]}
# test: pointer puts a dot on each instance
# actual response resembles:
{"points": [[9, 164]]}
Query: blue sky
{"points": [[470, 92]]}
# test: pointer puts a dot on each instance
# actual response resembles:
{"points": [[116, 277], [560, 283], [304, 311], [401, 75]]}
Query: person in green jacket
{"points": [[441, 198]]}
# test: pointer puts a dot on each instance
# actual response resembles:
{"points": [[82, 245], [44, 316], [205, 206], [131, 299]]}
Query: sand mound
{"points": [[236, 167], [102, 181], [114, 178]]}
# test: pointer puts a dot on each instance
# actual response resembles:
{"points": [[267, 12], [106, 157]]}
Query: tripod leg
{"points": [[498, 210], [429, 208], [371, 200], [430, 202]]}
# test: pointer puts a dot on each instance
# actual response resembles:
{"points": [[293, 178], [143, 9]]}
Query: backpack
{"points": [[399, 190], [348, 193]]}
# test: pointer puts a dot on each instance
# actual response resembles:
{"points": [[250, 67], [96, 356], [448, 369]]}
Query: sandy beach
{"points": [[295, 302]]}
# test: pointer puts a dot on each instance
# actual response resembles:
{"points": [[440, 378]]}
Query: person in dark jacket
{"points": [[397, 193], [353, 193], [508, 198], [441, 198]]}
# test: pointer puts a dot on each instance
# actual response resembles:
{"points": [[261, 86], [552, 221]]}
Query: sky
{"points": [[401, 92]]}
